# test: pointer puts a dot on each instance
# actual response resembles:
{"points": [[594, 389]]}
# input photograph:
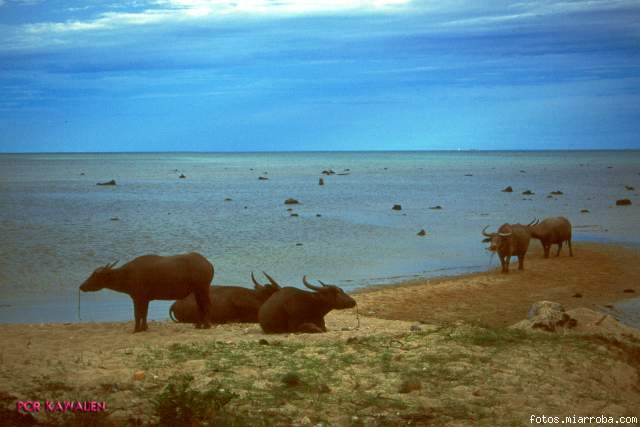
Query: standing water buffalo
{"points": [[295, 310], [510, 240], [228, 303], [153, 277], [550, 231]]}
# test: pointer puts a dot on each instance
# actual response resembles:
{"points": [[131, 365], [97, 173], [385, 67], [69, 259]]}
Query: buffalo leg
{"points": [[505, 265], [144, 309], [520, 262], [137, 315], [559, 248], [547, 248], [570, 248], [204, 305], [502, 263]]}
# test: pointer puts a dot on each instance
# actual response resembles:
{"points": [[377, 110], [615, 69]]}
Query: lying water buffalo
{"points": [[510, 240], [295, 310], [553, 231], [153, 277], [228, 303]]}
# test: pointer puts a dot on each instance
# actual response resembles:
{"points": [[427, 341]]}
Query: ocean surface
{"points": [[57, 225]]}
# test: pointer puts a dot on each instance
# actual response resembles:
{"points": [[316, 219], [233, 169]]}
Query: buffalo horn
{"points": [[110, 266], [309, 285], [255, 282], [322, 283], [273, 282], [533, 223], [484, 232]]}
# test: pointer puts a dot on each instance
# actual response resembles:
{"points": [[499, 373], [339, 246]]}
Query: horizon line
{"points": [[470, 150]]}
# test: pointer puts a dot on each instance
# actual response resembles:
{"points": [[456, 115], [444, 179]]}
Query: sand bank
{"points": [[596, 276]]}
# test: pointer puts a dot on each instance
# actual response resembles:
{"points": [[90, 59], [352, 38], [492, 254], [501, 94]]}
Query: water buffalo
{"points": [[228, 303], [295, 310], [552, 231], [153, 277], [510, 240]]}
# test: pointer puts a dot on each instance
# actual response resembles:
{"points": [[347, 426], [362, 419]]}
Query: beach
{"points": [[423, 352]]}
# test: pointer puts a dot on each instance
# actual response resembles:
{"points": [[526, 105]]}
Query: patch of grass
{"points": [[181, 404]]}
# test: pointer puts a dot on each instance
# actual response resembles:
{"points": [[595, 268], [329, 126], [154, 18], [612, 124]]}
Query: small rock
{"points": [[557, 193], [115, 218], [623, 202], [318, 215], [528, 193], [298, 244], [263, 342], [507, 189], [549, 196], [228, 199], [628, 187], [183, 176], [468, 174], [294, 214], [291, 379], [289, 209], [407, 386], [138, 375], [396, 207], [584, 211], [112, 182], [321, 181], [263, 178], [323, 388], [422, 232], [522, 171], [415, 327], [81, 173], [291, 202], [438, 207], [628, 291]]}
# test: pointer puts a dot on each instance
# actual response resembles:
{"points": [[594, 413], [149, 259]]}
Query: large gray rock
{"points": [[547, 316]]}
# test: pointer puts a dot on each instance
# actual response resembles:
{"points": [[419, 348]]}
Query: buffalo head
{"points": [[496, 240], [101, 277], [265, 291], [331, 295]]}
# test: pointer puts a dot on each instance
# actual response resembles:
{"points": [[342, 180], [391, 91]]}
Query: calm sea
{"points": [[57, 225]]}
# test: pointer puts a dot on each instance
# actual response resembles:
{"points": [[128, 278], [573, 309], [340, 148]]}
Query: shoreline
{"points": [[433, 299], [598, 277]]}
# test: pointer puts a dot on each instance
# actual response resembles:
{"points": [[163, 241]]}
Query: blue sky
{"points": [[254, 75]]}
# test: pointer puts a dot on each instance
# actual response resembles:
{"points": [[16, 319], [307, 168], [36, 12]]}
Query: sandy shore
{"points": [[599, 273], [97, 361]]}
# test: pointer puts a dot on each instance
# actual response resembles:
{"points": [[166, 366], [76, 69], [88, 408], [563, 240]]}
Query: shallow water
{"points": [[57, 225]]}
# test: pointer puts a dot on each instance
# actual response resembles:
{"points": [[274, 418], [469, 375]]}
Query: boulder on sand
{"points": [[547, 316], [112, 182], [507, 189]]}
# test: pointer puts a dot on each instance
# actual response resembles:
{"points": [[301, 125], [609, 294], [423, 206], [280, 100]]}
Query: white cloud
{"points": [[184, 10]]}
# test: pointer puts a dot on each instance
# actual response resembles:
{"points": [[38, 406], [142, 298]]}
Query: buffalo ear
{"points": [[487, 240]]}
